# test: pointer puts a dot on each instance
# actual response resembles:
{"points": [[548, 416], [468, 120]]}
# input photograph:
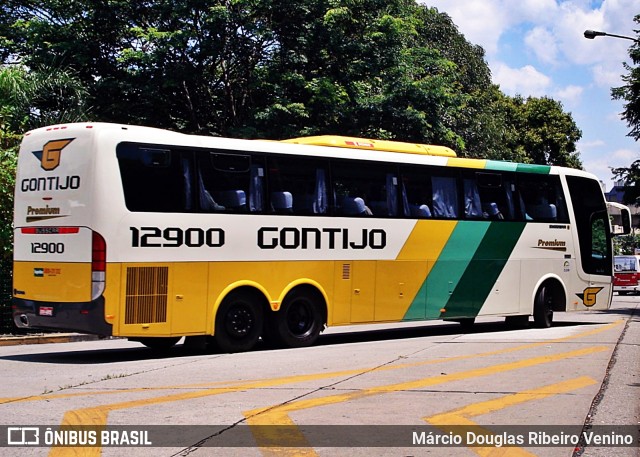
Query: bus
{"points": [[153, 235]]}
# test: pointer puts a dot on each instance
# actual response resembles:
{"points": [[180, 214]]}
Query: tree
{"points": [[630, 92], [28, 99], [626, 244], [549, 135], [384, 69]]}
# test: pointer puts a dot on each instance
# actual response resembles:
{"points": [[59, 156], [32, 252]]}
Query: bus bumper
{"points": [[627, 289], [86, 317]]}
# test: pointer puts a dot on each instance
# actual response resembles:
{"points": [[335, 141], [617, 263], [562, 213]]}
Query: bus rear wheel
{"points": [[299, 321], [543, 306], [238, 322]]}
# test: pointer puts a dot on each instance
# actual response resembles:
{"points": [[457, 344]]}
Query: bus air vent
{"points": [[146, 295], [346, 271]]}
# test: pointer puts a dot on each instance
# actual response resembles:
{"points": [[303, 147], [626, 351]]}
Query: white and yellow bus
{"points": [[154, 235]]}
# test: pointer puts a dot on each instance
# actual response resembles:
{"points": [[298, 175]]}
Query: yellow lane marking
{"points": [[279, 415], [97, 416], [453, 420], [314, 376]]}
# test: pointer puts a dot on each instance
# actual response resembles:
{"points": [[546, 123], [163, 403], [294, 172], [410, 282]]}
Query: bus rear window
{"points": [[626, 264]]}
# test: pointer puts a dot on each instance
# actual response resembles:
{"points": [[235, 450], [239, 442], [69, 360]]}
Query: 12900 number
{"points": [[47, 248], [174, 237]]}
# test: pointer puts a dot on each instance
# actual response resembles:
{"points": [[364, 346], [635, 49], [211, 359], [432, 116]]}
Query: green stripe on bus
{"points": [[501, 166], [483, 270], [532, 168], [449, 267]]}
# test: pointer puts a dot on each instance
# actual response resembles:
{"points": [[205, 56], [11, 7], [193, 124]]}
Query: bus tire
{"points": [[543, 306], [159, 343], [238, 322], [299, 321]]}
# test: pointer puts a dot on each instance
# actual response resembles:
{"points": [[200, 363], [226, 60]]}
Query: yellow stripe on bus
{"points": [[466, 163], [437, 232]]}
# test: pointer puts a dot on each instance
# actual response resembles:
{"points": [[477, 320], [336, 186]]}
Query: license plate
{"points": [[46, 311]]}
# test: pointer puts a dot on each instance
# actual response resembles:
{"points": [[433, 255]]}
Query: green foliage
{"points": [[384, 69], [626, 244], [550, 134], [630, 92], [28, 99]]}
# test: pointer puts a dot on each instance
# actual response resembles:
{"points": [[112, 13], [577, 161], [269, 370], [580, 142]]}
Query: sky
{"points": [[537, 48]]}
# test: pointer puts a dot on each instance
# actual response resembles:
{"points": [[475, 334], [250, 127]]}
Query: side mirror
{"points": [[621, 218]]}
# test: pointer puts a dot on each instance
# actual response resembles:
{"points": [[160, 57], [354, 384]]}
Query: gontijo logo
{"points": [[589, 295], [49, 158], [50, 155]]}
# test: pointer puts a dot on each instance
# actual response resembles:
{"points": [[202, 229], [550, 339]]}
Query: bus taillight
{"points": [[98, 264]]}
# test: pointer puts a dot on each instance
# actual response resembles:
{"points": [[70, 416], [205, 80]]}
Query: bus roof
{"points": [[423, 153], [373, 145]]}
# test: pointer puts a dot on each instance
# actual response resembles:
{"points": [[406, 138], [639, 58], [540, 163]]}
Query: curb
{"points": [[44, 339]]}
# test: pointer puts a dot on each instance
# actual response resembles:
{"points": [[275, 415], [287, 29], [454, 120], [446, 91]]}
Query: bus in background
{"points": [[626, 274], [155, 235]]}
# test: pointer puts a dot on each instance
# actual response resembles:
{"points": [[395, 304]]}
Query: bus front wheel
{"points": [[299, 321], [543, 306], [238, 322]]}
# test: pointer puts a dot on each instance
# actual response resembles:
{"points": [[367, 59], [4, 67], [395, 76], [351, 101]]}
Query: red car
{"points": [[627, 274]]}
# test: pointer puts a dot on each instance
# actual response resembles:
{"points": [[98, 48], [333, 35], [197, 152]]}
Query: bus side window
{"points": [[472, 205], [542, 198], [297, 185], [490, 195], [154, 178], [364, 189], [230, 182], [415, 192], [428, 192], [445, 197]]}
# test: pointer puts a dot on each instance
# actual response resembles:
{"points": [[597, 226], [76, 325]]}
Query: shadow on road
{"points": [[104, 356]]}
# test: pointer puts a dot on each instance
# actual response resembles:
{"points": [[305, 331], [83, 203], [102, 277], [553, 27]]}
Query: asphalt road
{"points": [[386, 390]]}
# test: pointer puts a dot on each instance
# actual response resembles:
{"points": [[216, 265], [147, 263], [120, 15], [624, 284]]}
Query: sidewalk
{"points": [[42, 338]]}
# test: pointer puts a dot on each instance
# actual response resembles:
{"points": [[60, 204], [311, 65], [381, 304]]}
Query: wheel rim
{"points": [[239, 321], [300, 318]]}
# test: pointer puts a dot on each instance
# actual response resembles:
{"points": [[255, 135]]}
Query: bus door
{"points": [[379, 291], [189, 298], [594, 242], [363, 283], [354, 292], [400, 292]]}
